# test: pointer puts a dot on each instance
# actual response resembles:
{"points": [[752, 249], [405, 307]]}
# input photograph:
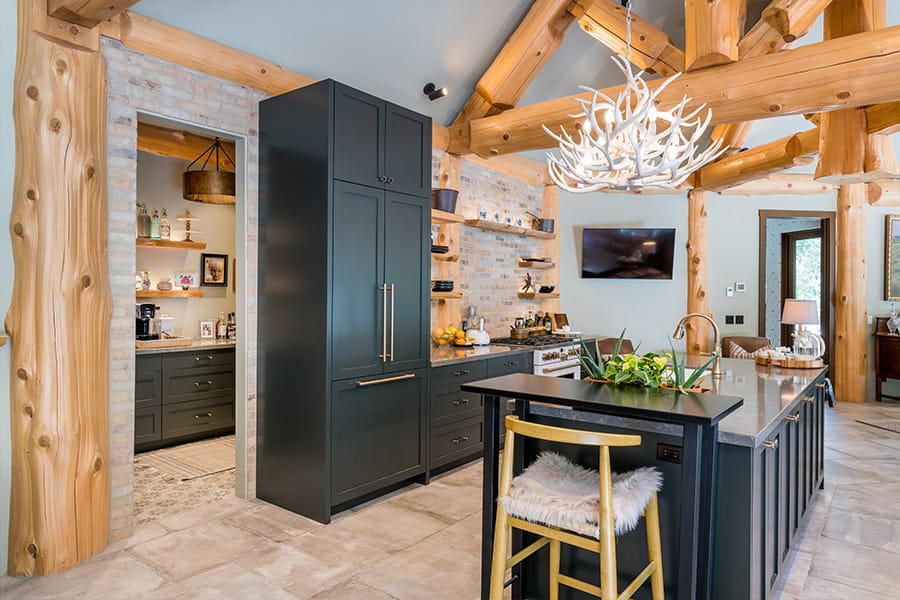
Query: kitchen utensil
{"points": [[444, 199], [520, 322]]}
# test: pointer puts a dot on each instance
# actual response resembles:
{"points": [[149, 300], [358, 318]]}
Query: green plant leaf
{"points": [[698, 372], [619, 343]]}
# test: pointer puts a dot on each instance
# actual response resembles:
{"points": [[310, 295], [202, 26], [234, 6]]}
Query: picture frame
{"points": [[892, 257], [214, 270], [207, 329]]}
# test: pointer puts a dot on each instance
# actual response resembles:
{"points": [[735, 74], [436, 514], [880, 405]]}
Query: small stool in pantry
{"points": [[564, 503]]}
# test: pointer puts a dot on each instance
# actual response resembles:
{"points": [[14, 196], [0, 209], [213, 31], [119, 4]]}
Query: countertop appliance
{"points": [[146, 326], [554, 356]]}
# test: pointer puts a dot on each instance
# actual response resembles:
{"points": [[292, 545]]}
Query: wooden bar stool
{"points": [[564, 503]]}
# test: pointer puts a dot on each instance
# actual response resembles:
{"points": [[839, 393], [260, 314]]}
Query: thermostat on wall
{"points": [[740, 286]]}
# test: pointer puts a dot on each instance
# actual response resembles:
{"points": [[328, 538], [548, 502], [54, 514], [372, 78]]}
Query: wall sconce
{"points": [[210, 187], [434, 92]]}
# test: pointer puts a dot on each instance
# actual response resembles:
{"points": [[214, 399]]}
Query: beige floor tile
{"points": [[192, 551], [272, 522], [312, 562], [467, 475], [202, 514], [353, 590], [464, 535], [388, 526], [860, 448], [101, 578], [856, 566], [227, 582], [428, 570], [878, 499], [864, 530], [817, 588], [450, 503]]}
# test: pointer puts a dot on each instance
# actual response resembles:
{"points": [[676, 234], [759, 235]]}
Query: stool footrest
{"points": [[582, 586], [526, 552]]}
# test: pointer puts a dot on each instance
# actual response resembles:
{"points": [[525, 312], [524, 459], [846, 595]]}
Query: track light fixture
{"points": [[433, 92]]}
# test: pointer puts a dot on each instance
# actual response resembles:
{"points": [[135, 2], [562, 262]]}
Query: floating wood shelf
{"points": [[446, 295], [528, 264], [503, 227], [148, 243], [445, 257], [442, 216], [168, 294], [538, 295]]}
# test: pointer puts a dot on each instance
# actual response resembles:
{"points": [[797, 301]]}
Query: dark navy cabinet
{"points": [[344, 303]]}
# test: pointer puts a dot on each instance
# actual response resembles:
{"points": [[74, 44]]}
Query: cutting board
{"points": [[164, 343], [789, 363]]}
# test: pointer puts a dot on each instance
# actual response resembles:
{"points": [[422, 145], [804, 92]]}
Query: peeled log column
{"points": [[849, 366], [58, 318], [713, 29], [698, 301]]}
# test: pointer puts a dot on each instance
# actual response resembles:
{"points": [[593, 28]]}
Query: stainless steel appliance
{"points": [[146, 326], [553, 356]]}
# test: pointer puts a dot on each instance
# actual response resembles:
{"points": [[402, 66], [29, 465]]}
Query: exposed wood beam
{"points": [[883, 193], [180, 144], [87, 13], [58, 318], [713, 29], [760, 161], [881, 161], [733, 135], [651, 48], [883, 118], [61, 32], [525, 52], [760, 40], [440, 136], [792, 19], [780, 184], [851, 71], [522, 168], [697, 300]]}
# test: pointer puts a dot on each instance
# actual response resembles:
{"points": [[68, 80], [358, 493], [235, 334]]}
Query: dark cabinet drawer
{"points": [[194, 360], [147, 425], [147, 362], [147, 389], [194, 384], [459, 373], [503, 365], [456, 440], [453, 405], [189, 418]]}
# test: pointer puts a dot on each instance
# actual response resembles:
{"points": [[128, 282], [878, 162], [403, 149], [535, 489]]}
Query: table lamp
{"points": [[803, 312]]}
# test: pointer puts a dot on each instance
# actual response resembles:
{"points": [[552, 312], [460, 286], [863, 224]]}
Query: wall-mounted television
{"points": [[618, 253]]}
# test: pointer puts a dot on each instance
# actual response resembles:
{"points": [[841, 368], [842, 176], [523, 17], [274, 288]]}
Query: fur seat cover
{"points": [[556, 492]]}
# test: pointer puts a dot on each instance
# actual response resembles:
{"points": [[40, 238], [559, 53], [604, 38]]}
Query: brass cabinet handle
{"points": [[383, 355], [511, 363], [199, 358], [392, 322], [793, 418], [198, 417], [820, 385], [771, 444], [385, 380], [810, 399], [461, 373], [464, 438], [458, 402], [199, 383]]}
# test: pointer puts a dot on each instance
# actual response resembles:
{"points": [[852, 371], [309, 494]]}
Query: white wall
{"points": [[159, 186], [7, 160]]}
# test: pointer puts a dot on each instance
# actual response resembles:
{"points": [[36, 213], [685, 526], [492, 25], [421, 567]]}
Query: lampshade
{"points": [[800, 312], [210, 187]]}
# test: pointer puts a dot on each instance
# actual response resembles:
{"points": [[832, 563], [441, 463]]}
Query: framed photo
{"points": [[892, 257], [207, 330], [214, 269]]}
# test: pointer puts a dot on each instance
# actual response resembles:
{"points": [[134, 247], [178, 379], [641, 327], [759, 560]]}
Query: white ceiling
{"points": [[392, 48]]}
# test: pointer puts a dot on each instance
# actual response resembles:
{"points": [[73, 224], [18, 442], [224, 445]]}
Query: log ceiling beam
{"points": [[522, 168], [527, 50], [779, 184], [163, 141], [883, 193], [651, 48], [851, 71], [87, 13], [712, 30], [792, 19], [758, 162], [883, 118]]}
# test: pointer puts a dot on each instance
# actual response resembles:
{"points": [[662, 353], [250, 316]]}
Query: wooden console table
{"points": [[887, 357]]}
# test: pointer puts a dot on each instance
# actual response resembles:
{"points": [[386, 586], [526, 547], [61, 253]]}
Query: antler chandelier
{"points": [[628, 142]]}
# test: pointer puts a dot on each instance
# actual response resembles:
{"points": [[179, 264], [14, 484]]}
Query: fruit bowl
{"points": [[450, 337]]}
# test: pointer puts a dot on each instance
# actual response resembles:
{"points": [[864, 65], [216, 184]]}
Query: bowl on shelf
{"points": [[546, 289], [444, 199], [441, 285], [436, 249]]}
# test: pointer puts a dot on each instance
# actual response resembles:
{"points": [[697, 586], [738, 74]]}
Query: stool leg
{"points": [[554, 569], [501, 543], [654, 548]]}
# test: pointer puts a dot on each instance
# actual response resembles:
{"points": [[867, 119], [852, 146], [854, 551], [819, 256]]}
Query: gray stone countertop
{"points": [[195, 345], [449, 355], [769, 393]]}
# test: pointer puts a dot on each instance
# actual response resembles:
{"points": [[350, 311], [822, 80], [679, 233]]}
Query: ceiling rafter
{"points": [[883, 118], [87, 13], [712, 30], [530, 46], [792, 19], [651, 48], [851, 71]]}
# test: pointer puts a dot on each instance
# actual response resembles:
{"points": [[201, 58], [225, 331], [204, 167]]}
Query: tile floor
{"points": [[422, 542]]}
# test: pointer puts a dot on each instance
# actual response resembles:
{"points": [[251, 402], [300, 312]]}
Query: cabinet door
{"points": [[407, 155], [773, 509], [377, 434], [358, 137], [358, 304], [407, 264]]}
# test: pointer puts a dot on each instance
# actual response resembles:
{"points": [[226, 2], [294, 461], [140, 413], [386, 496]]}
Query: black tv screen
{"points": [[627, 253]]}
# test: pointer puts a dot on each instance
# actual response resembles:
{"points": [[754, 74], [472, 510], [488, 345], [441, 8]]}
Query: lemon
{"points": [[451, 330], [437, 332]]}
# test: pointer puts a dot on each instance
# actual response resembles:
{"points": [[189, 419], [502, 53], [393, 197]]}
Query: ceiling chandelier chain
{"points": [[633, 144]]}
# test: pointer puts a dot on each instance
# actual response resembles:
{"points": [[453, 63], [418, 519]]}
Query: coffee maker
{"points": [[145, 323]]}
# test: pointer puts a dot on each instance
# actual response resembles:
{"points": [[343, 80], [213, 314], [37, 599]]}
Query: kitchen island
{"points": [[767, 453]]}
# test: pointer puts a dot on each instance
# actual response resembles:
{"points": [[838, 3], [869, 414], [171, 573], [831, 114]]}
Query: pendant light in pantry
{"points": [[209, 187]]}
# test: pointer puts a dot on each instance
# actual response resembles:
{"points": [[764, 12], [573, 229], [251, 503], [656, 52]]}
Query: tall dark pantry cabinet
{"points": [[344, 260]]}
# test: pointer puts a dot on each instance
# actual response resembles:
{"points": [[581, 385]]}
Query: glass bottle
{"points": [[529, 320], [154, 226], [165, 230], [143, 221], [221, 327], [231, 329], [548, 322]]}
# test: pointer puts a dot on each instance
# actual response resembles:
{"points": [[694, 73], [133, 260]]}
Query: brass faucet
{"points": [[679, 333]]}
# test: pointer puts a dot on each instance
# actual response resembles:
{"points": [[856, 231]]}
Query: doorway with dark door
{"points": [[796, 260]]}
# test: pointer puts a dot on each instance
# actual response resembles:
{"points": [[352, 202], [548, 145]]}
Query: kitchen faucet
{"points": [[679, 333]]}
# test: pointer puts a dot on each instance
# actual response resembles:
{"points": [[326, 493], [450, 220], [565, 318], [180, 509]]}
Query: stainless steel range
{"points": [[553, 356]]}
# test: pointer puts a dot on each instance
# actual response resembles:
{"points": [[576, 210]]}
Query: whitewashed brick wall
{"points": [[140, 83]]}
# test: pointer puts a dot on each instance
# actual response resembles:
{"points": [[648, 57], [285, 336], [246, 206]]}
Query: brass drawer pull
{"points": [[821, 385], [793, 418], [461, 373], [771, 444], [198, 417], [458, 402], [810, 399], [199, 358], [459, 440], [511, 363], [385, 380], [199, 383]]}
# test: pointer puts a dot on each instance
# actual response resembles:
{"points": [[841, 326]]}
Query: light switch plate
{"points": [[729, 291]]}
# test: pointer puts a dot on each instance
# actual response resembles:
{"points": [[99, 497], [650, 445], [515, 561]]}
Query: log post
{"points": [[449, 311], [58, 318], [697, 300], [712, 30], [849, 368], [550, 247]]}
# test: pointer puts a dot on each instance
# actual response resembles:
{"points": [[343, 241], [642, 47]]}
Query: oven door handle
{"points": [[560, 368]]}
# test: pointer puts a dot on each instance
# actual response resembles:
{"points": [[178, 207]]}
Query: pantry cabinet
{"points": [[343, 297]]}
